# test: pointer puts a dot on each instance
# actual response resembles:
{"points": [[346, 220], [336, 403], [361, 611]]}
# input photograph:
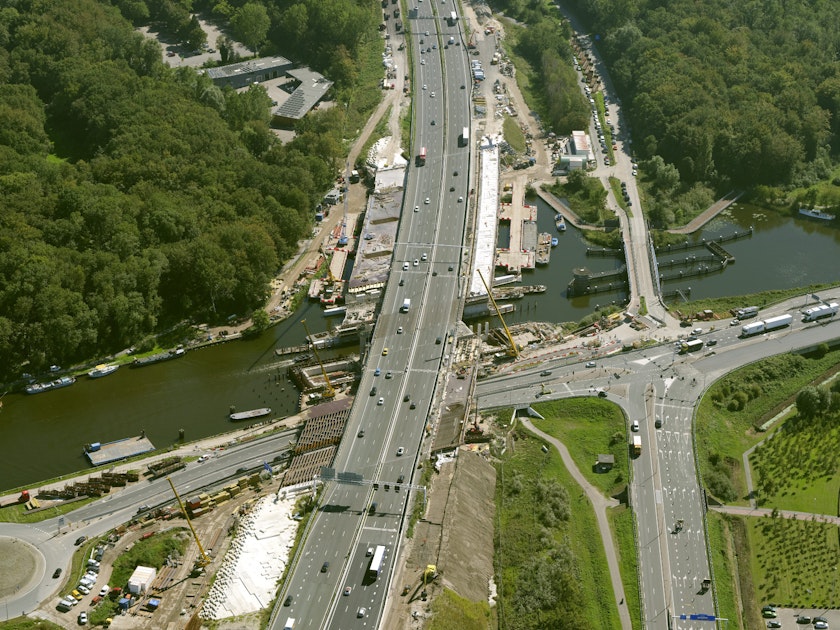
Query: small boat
{"points": [[814, 213], [38, 388], [555, 241], [250, 414], [103, 369], [560, 222], [159, 358]]}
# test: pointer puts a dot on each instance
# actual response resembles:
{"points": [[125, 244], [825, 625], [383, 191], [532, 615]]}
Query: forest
{"points": [[731, 93], [133, 195]]}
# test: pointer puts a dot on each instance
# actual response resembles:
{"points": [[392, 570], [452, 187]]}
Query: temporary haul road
{"points": [[347, 523]]}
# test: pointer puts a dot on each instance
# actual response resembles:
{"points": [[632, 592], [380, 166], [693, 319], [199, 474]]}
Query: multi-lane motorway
{"points": [[659, 383], [387, 424]]}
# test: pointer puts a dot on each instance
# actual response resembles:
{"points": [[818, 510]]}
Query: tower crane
{"points": [[513, 350], [329, 391]]}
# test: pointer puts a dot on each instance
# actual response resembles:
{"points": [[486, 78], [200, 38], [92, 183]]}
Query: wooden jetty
{"points": [[99, 454]]}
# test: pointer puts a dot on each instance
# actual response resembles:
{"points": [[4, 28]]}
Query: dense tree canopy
{"points": [[133, 195], [742, 93]]}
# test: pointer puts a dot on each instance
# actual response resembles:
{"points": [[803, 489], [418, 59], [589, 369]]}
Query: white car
{"points": [[416, 262], [424, 86], [422, 62], [405, 266], [83, 618], [203, 458], [428, 201], [104, 590], [432, 94], [416, 208], [399, 330], [634, 426], [84, 590], [380, 402], [400, 451], [424, 257]]}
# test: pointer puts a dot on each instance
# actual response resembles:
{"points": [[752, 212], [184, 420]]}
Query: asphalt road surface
{"points": [[353, 515], [651, 383]]}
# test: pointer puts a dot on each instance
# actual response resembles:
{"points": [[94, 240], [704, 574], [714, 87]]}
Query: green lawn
{"points": [[733, 408], [550, 565], [450, 610], [513, 135], [589, 426], [623, 527], [24, 623], [723, 566], [794, 563]]}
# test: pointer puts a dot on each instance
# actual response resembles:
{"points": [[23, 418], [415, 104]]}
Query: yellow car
{"points": [[384, 352]]}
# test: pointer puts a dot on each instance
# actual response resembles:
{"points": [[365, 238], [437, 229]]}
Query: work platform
{"points": [[99, 454], [521, 254]]}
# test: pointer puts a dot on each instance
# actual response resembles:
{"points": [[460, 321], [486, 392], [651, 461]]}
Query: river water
{"points": [[42, 436]]}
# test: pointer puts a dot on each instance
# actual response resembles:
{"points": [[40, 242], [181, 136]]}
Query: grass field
{"points": [[24, 623], [550, 564], [623, 528], [738, 403], [450, 610], [589, 426], [794, 563], [723, 566]]}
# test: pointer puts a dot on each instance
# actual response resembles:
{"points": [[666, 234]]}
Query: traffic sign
{"points": [[702, 617]]}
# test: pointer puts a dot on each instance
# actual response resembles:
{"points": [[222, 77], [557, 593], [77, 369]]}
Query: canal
{"points": [[42, 436]]}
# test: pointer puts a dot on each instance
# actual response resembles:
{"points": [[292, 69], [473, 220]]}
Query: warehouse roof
{"points": [[313, 86]]}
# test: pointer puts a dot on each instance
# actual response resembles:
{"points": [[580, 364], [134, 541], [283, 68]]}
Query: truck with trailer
{"points": [[774, 323], [636, 445], [691, 345], [406, 305], [752, 328], [464, 138], [820, 312], [746, 313]]}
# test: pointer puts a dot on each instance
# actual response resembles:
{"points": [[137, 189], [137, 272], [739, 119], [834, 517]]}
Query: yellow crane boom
{"points": [[204, 559], [512, 350]]}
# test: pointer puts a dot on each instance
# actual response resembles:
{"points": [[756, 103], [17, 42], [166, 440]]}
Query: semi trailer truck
{"points": [[766, 325]]}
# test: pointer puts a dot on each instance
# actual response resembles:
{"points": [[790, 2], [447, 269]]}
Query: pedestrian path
{"points": [[600, 503]]}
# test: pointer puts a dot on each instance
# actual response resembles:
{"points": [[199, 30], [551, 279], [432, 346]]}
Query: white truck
{"points": [[406, 306], [752, 329], [819, 312], [464, 138], [777, 322], [637, 445]]}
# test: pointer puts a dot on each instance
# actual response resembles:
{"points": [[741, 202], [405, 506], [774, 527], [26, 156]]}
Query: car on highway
{"points": [[361, 612], [400, 451], [380, 402], [658, 422], [373, 391], [405, 266], [56, 574], [424, 86], [80, 540], [203, 458], [288, 601], [427, 33], [545, 373], [735, 322], [711, 342], [361, 433], [389, 374], [590, 364], [634, 426], [433, 122], [377, 372], [143, 508], [424, 257], [415, 262], [325, 567], [438, 340], [463, 87], [401, 478], [412, 406], [427, 201], [432, 94], [422, 62], [399, 330], [460, 199], [347, 590], [416, 208], [384, 352], [406, 398]]}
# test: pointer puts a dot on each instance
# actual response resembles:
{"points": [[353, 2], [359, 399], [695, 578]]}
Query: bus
{"points": [[421, 157], [376, 562]]}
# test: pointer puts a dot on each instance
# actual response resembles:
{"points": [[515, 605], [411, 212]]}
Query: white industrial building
{"points": [[580, 152], [141, 580]]}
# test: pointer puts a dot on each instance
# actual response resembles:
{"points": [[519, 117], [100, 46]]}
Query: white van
{"points": [[290, 624]]}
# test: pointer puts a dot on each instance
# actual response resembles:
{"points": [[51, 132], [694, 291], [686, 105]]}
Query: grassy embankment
{"points": [[735, 406], [721, 305], [550, 564], [513, 134], [25, 623], [589, 427], [450, 610]]}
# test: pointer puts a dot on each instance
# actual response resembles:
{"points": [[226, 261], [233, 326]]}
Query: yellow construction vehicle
{"points": [[329, 390], [513, 350], [203, 559]]}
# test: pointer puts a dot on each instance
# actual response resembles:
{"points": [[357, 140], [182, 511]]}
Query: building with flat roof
{"points": [[245, 73], [312, 87], [581, 146]]}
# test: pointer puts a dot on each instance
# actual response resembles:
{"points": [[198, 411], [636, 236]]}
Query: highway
{"points": [[391, 410], [54, 537], [659, 382]]}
